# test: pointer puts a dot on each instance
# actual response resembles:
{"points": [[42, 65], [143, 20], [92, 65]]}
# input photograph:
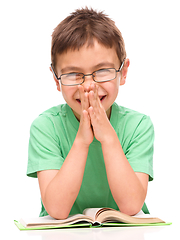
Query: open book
{"points": [[90, 217]]}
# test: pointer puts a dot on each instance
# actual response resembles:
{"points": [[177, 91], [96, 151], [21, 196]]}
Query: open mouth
{"points": [[100, 97], [78, 100]]}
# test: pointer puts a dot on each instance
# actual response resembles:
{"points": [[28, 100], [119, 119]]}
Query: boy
{"points": [[90, 152]]}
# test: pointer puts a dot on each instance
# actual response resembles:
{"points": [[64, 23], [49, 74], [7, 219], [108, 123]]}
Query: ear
{"points": [[56, 81], [124, 72]]}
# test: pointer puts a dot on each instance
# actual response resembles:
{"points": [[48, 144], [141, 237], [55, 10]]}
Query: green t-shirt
{"points": [[52, 135]]}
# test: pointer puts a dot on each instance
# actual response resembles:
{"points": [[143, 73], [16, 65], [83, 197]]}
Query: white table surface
{"points": [[127, 233]]}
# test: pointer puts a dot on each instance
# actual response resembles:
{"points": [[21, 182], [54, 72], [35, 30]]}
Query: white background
{"points": [[151, 33]]}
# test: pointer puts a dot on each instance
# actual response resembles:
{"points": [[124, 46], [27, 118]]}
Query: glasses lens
{"points": [[72, 79], [103, 75]]}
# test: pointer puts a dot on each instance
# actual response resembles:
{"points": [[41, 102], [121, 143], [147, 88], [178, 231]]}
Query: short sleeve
{"points": [[140, 149], [44, 152]]}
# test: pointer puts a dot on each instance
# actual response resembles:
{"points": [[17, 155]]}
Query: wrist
{"points": [[110, 140], [81, 144]]}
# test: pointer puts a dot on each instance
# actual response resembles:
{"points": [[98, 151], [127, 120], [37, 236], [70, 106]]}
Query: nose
{"points": [[87, 82]]}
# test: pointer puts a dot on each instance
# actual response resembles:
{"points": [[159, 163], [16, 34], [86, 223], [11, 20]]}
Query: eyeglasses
{"points": [[101, 75]]}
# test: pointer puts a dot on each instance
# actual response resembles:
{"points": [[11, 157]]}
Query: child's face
{"points": [[87, 60]]}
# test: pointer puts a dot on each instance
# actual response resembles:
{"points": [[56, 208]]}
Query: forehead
{"points": [[88, 57]]}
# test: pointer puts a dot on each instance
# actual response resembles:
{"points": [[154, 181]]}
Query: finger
{"points": [[86, 117], [94, 88], [96, 92], [94, 99], [86, 101], [81, 92], [91, 114], [87, 120], [84, 98]]}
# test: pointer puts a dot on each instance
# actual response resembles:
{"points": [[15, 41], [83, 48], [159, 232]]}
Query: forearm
{"points": [[62, 191], [126, 188]]}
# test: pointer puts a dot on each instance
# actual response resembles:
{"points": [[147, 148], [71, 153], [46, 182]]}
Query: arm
{"points": [[59, 188], [128, 188]]}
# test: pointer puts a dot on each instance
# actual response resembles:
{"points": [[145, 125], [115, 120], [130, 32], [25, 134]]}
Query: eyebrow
{"points": [[96, 67], [70, 69], [104, 64]]}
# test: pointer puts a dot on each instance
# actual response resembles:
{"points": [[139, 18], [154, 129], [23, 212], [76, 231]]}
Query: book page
{"points": [[91, 212], [48, 220], [141, 214]]}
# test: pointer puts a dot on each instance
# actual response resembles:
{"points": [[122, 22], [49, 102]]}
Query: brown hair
{"points": [[82, 26]]}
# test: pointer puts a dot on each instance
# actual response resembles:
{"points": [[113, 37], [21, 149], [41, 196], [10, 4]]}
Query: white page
{"points": [[91, 212], [141, 214], [47, 220]]}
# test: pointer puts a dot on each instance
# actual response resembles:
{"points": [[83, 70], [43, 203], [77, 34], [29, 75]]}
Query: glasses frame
{"points": [[85, 75]]}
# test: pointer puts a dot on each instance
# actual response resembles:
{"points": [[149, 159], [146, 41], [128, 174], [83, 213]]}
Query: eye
{"points": [[72, 76], [103, 72]]}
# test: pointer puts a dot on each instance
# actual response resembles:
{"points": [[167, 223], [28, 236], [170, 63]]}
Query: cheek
{"points": [[68, 92], [118, 80], [64, 94], [113, 91], [113, 88]]}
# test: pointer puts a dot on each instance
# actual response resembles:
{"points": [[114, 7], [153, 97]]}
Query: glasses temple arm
{"points": [[121, 66], [54, 72]]}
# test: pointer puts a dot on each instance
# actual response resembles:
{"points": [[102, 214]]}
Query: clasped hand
{"points": [[94, 120]]}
